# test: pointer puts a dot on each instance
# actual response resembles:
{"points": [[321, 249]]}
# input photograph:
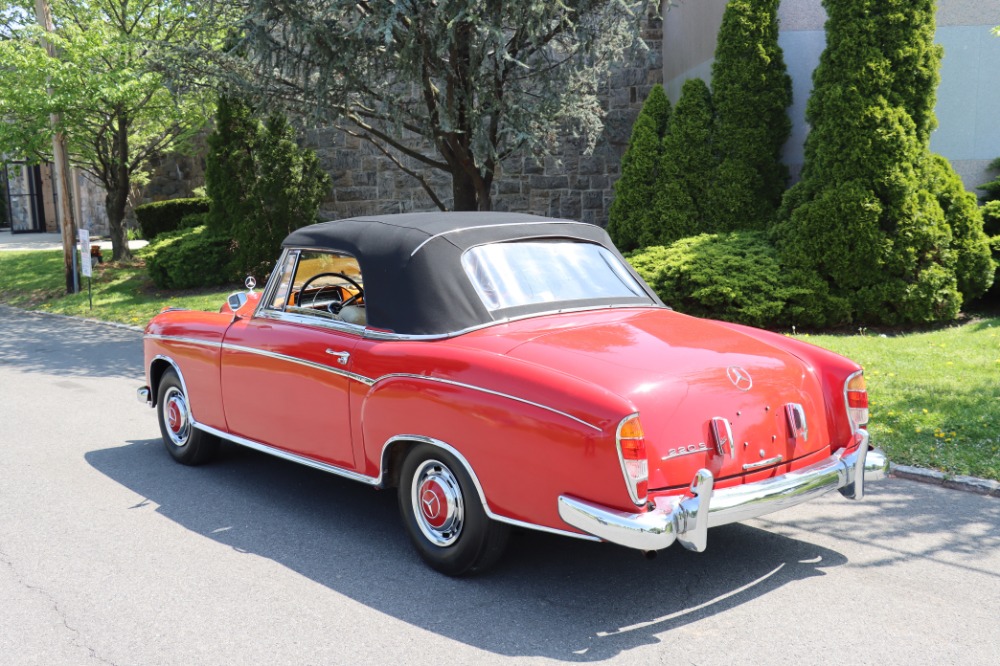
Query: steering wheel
{"points": [[333, 307]]}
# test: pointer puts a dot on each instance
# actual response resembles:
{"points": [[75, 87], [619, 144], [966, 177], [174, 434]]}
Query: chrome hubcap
{"points": [[177, 417], [437, 503]]}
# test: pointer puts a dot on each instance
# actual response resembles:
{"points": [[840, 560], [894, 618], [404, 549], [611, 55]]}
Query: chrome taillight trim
{"points": [[633, 491], [855, 427]]}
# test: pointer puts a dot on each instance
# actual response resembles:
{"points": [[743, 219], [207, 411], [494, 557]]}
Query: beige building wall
{"points": [[968, 131]]}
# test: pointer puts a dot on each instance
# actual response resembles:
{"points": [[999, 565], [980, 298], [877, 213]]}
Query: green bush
{"points": [[189, 258], [194, 220], [163, 216], [262, 184], [631, 212], [687, 169], [974, 266], [736, 277], [867, 215], [751, 92]]}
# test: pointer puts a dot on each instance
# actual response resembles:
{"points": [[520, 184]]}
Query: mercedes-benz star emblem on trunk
{"points": [[739, 377]]}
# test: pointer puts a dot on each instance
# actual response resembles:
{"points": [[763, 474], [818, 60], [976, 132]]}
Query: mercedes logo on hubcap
{"points": [[431, 503], [739, 377]]}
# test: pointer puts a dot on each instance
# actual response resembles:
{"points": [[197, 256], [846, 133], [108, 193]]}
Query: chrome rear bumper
{"points": [[687, 518]]}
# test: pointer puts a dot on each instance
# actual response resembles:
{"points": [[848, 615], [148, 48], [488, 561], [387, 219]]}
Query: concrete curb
{"points": [[969, 484]]}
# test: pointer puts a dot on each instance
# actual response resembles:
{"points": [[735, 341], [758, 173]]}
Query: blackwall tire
{"points": [[187, 444], [443, 514]]}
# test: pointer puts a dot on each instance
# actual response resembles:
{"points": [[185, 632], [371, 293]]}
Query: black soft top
{"points": [[412, 268]]}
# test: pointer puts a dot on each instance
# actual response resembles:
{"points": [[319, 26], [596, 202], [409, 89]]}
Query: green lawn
{"points": [[935, 397], [122, 293]]}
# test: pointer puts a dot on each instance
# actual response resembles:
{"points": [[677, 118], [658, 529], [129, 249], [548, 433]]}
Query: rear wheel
{"points": [[186, 444], [443, 515]]}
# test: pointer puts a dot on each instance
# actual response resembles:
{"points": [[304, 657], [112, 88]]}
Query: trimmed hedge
{"points": [[736, 277], [165, 216], [189, 258]]}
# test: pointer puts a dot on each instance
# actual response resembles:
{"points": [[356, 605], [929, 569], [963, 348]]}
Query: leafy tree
{"points": [[687, 169], [751, 91], [262, 184], [115, 110], [454, 86], [632, 212], [867, 214]]}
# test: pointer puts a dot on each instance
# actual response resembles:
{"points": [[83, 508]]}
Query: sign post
{"points": [[85, 266]]}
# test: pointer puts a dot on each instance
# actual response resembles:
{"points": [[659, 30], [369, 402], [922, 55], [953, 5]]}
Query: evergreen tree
{"points": [[632, 211], [751, 91], [686, 170], [865, 215], [263, 185]]}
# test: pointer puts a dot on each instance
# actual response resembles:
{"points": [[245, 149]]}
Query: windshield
{"points": [[515, 274]]}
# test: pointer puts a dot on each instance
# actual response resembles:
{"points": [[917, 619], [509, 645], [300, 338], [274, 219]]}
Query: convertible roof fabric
{"points": [[412, 264]]}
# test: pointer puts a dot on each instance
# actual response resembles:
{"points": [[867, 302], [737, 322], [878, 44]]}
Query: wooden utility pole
{"points": [[61, 162]]}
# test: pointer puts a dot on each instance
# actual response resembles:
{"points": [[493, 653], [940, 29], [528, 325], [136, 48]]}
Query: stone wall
{"points": [[572, 185]]}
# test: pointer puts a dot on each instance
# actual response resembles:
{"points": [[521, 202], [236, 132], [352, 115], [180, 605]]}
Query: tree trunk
{"points": [[118, 191], [114, 205], [463, 189]]}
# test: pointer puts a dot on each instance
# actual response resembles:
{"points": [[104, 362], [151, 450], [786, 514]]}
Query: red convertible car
{"points": [[508, 370]]}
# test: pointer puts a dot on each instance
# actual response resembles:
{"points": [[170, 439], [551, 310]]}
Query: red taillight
{"points": [[856, 392], [632, 453]]}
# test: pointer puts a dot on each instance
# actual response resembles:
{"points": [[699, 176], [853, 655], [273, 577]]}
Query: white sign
{"points": [[85, 253]]}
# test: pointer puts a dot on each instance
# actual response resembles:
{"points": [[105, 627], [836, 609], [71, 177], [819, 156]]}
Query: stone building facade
{"points": [[573, 185]]}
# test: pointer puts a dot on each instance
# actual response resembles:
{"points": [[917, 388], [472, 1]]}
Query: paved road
{"points": [[110, 553]]}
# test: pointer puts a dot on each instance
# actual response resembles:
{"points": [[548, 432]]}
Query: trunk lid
{"points": [[693, 382]]}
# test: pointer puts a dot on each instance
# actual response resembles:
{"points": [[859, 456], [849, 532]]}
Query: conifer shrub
{"points": [[974, 266], [164, 216], [751, 92], [687, 170], [189, 258], [736, 277], [631, 212], [261, 183], [867, 215]]}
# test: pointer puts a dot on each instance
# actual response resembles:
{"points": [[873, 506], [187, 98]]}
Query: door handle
{"points": [[342, 356]]}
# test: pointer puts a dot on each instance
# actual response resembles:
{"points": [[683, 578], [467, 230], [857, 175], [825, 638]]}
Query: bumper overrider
{"points": [[687, 518]]}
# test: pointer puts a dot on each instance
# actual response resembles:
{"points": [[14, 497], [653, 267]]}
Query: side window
{"points": [[280, 298], [324, 285]]}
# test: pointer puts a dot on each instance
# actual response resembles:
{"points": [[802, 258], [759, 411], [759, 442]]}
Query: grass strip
{"points": [[934, 396], [122, 292]]}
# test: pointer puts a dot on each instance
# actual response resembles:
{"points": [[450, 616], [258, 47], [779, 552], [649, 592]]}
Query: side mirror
{"points": [[237, 300]]}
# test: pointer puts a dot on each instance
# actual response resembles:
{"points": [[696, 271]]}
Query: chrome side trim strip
{"points": [[299, 361], [369, 381], [490, 392], [293, 457], [182, 339], [493, 226], [479, 488], [374, 334]]}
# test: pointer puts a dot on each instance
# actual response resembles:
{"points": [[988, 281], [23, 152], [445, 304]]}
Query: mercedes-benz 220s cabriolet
{"points": [[508, 370]]}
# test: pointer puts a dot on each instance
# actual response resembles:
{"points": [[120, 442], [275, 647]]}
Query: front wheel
{"points": [[186, 444], [443, 515]]}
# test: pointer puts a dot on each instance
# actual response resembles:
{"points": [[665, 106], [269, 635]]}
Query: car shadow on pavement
{"points": [[550, 596], [79, 348]]}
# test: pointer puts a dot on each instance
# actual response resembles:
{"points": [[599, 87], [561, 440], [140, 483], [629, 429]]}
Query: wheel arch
{"points": [[396, 448], [157, 367]]}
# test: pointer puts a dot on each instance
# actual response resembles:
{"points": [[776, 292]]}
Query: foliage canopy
{"points": [[115, 109], [455, 86]]}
